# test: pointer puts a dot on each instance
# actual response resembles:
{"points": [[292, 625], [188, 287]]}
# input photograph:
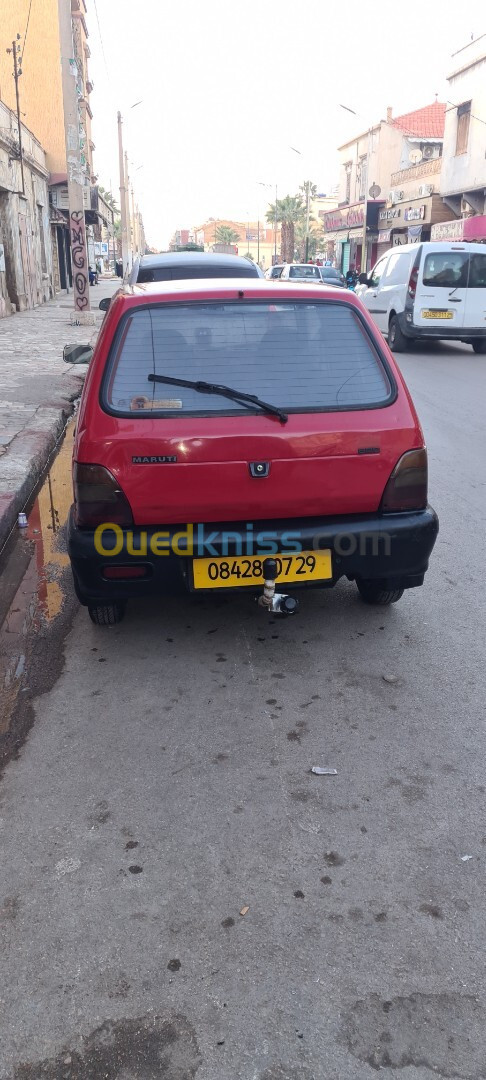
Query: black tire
{"points": [[376, 594], [396, 340], [106, 614], [479, 345]]}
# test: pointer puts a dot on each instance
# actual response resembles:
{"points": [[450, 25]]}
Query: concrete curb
{"points": [[28, 458]]}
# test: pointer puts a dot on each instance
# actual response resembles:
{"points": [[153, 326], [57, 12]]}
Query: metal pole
{"points": [[134, 226], [75, 172], [364, 260], [123, 199], [275, 237], [258, 239], [129, 225], [307, 190]]}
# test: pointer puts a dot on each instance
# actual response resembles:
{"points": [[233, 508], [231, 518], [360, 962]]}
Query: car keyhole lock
{"points": [[259, 469]]}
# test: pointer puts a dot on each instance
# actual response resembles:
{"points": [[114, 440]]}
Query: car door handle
{"points": [[455, 300]]}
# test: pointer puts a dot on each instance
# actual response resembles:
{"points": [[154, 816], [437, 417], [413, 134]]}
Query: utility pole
{"points": [[275, 237], [123, 199], [307, 197], [75, 172], [17, 71], [129, 226], [364, 242], [134, 225]]}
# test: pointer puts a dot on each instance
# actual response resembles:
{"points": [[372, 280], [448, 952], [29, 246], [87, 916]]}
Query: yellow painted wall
{"points": [[40, 85]]}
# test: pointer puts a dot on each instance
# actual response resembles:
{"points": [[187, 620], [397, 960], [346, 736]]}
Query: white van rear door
{"points": [[475, 311], [440, 298]]}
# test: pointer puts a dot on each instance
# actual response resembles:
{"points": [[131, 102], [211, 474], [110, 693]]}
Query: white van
{"points": [[429, 290]]}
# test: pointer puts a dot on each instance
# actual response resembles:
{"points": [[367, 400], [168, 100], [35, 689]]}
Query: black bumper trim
{"points": [[393, 549], [458, 333]]}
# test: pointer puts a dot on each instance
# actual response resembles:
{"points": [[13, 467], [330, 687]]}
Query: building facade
{"points": [[41, 102], [26, 269], [394, 168], [463, 177]]}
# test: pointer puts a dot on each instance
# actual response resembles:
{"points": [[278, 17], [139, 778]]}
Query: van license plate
{"points": [[234, 573], [437, 314]]}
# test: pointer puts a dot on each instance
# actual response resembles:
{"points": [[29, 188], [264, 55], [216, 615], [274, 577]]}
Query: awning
{"points": [[331, 237]]}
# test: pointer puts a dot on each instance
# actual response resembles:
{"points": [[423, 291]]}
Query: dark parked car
{"points": [[172, 265], [331, 276]]}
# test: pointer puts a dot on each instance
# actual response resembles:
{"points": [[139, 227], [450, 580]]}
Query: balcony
{"points": [[416, 172]]}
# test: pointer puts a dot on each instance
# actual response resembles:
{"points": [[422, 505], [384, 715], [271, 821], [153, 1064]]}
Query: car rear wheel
{"points": [[479, 345], [396, 340], [376, 594], [106, 614]]}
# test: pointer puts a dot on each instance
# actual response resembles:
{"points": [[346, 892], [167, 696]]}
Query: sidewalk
{"points": [[37, 391]]}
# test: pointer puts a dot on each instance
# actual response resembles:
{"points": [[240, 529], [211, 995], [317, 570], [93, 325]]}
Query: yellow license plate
{"points": [[437, 314], [234, 573]]}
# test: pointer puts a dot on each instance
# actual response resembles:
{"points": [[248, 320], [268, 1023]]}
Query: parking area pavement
{"points": [[182, 898]]}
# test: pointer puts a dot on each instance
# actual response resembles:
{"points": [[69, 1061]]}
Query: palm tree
{"points": [[224, 234], [288, 212]]}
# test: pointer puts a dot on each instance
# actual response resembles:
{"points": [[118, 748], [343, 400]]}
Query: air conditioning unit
{"points": [[425, 189], [427, 153], [396, 196]]}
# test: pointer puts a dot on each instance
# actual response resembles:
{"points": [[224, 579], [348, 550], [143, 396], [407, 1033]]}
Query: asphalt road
{"points": [[165, 785]]}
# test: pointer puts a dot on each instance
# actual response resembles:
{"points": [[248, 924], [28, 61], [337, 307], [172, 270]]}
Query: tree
{"points": [[315, 238], [226, 235], [288, 212]]}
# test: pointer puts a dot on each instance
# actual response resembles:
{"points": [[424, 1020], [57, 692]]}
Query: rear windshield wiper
{"points": [[223, 391]]}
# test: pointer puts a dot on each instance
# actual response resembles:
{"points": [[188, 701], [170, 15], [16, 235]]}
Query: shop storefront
{"points": [[343, 229], [412, 221], [472, 229]]}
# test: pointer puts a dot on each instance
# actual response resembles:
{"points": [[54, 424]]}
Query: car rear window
{"points": [[445, 268], [179, 273], [299, 356], [304, 272]]}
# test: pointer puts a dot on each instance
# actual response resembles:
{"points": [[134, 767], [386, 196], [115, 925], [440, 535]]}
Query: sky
{"points": [[227, 90]]}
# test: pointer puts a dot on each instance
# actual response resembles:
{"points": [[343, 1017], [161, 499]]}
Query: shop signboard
{"points": [[414, 213]]}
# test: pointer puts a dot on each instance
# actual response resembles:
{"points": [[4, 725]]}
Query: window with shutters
{"points": [[463, 118]]}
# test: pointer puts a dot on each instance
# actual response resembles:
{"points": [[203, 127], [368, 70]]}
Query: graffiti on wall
{"points": [[79, 260]]}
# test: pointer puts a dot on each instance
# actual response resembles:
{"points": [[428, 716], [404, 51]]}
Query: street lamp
{"points": [[307, 208], [124, 203], [261, 184], [364, 242]]}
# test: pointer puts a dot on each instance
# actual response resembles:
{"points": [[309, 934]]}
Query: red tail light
{"points": [[407, 486], [125, 573], [412, 284], [98, 498]]}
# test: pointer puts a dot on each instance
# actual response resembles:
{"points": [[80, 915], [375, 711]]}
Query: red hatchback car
{"points": [[245, 434]]}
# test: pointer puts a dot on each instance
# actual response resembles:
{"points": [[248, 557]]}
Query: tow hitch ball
{"points": [[276, 602]]}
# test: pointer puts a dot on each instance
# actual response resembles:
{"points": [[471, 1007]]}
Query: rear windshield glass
{"points": [[301, 357], [178, 273], [446, 268], [304, 272]]}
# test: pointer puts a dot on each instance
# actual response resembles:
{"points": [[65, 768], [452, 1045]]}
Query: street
{"points": [[160, 783]]}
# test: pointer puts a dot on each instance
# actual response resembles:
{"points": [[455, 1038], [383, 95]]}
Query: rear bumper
{"points": [[444, 331], [393, 550]]}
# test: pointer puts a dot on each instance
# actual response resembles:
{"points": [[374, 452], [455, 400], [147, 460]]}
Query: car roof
{"points": [[190, 258], [228, 288]]}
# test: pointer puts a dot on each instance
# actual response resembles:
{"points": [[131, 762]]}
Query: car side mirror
{"points": [[104, 303], [363, 280], [77, 354]]}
